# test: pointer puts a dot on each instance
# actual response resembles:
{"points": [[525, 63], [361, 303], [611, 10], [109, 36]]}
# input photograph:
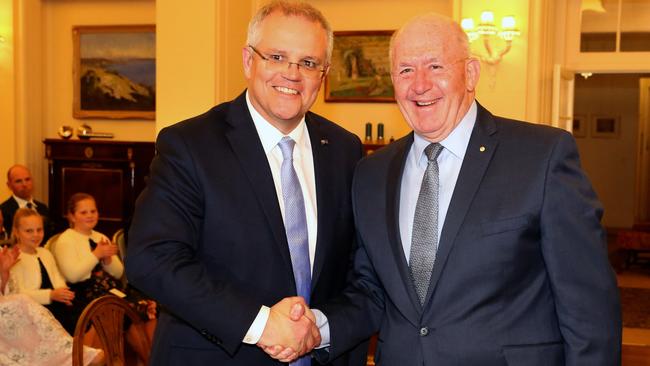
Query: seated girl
{"points": [[36, 273]]}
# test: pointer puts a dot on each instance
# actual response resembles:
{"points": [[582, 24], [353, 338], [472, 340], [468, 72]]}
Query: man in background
{"points": [[21, 184], [247, 204]]}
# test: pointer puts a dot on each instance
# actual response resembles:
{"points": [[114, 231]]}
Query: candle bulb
{"points": [[368, 131], [380, 132]]}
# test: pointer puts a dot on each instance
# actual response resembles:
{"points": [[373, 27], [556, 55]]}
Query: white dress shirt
{"points": [[449, 163], [23, 203], [303, 163]]}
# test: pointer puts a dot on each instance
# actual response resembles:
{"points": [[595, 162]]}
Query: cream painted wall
{"points": [[199, 56], [371, 15], [231, 38], [503, 87], [58, 19], [7, 97], [185, 54]]}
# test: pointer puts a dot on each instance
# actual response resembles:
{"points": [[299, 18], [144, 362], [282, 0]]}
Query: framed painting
{"points": [[360, 71], [605, 126], [580, 125], [114, 71]]}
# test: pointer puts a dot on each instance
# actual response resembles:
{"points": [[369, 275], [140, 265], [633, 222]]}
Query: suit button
{"points": [[424, 331]]}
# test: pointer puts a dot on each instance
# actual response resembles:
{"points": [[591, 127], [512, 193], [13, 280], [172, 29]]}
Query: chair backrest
{"points": [[51, 243], [106, 314], [118, 239]]}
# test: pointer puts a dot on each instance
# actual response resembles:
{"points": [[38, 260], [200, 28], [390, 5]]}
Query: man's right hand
{"points": [[285, 339]]}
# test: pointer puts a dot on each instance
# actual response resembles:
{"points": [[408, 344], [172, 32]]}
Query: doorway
{"points": [[608, 108]]}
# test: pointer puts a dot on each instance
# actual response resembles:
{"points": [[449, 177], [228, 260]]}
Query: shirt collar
{"points": [[22, 203], [457, 141], [271, 136]]}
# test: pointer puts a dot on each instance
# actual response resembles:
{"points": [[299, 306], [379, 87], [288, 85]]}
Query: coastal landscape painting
{"points": [[114, 71]]}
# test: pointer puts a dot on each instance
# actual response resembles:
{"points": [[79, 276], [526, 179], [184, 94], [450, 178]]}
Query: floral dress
{"points": [[29, 335]]}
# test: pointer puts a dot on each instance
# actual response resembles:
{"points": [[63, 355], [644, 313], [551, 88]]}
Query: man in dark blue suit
{"points": [[480, 240], [21, 184], [229, 225]]}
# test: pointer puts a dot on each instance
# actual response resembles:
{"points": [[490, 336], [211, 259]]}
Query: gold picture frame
{"points": [[359, 70], [114, 71]]}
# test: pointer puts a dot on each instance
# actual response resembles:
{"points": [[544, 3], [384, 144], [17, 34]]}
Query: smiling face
{"points": [[29, 232], [433, 76], [84, 217], [283, 96]]}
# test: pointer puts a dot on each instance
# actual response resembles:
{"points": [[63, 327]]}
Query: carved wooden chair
{"points": [[106, 315]]}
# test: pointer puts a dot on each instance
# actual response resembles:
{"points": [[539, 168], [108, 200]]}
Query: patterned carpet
{"points": [[636, 307]]}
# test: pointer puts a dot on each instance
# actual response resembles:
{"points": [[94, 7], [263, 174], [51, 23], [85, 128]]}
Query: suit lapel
{"points": [[480, 149], [324, 181], [412, 308], [248, 149]]}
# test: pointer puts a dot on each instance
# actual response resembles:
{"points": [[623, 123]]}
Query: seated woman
{"points": [[29, 334], [36, 273], [89, 262]]}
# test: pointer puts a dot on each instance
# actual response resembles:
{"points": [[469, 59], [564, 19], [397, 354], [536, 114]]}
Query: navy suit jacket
{"points": [[208, 242], [521, 276]]}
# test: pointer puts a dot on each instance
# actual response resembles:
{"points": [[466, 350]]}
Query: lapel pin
{"points": [[481, 149], [324, 142]]}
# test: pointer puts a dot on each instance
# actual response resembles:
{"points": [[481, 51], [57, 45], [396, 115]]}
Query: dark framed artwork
{"points": [[580, 127], [605, 126], [114, 71], [359, 70]]}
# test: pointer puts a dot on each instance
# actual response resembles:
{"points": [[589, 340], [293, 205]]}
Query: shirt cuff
{"points": [[323, 327], [257, 328]]}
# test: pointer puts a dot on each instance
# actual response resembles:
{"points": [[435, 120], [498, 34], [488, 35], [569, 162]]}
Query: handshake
{"points": [[290, 330]]}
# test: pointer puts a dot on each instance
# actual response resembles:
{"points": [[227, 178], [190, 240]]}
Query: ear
{"points": [[247, 58], [472, 73]]}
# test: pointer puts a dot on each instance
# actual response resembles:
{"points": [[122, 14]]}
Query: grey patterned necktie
{"points": [[424, 242], [295, 223]]}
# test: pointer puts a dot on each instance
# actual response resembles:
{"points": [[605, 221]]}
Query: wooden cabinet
{"points": [[370, 147], [114, 172]]}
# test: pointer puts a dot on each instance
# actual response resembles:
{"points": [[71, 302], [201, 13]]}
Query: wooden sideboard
{"points": [[370, 147], [114, 172]]}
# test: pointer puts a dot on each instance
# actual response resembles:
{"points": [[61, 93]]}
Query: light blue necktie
{"points": [[295, 223]]}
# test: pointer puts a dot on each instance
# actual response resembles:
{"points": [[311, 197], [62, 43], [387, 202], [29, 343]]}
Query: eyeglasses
{"points": [[307, 68], [435, 68]]}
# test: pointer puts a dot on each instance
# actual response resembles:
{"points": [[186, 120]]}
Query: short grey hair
{"points": [[289, 8], [460, 37]]}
